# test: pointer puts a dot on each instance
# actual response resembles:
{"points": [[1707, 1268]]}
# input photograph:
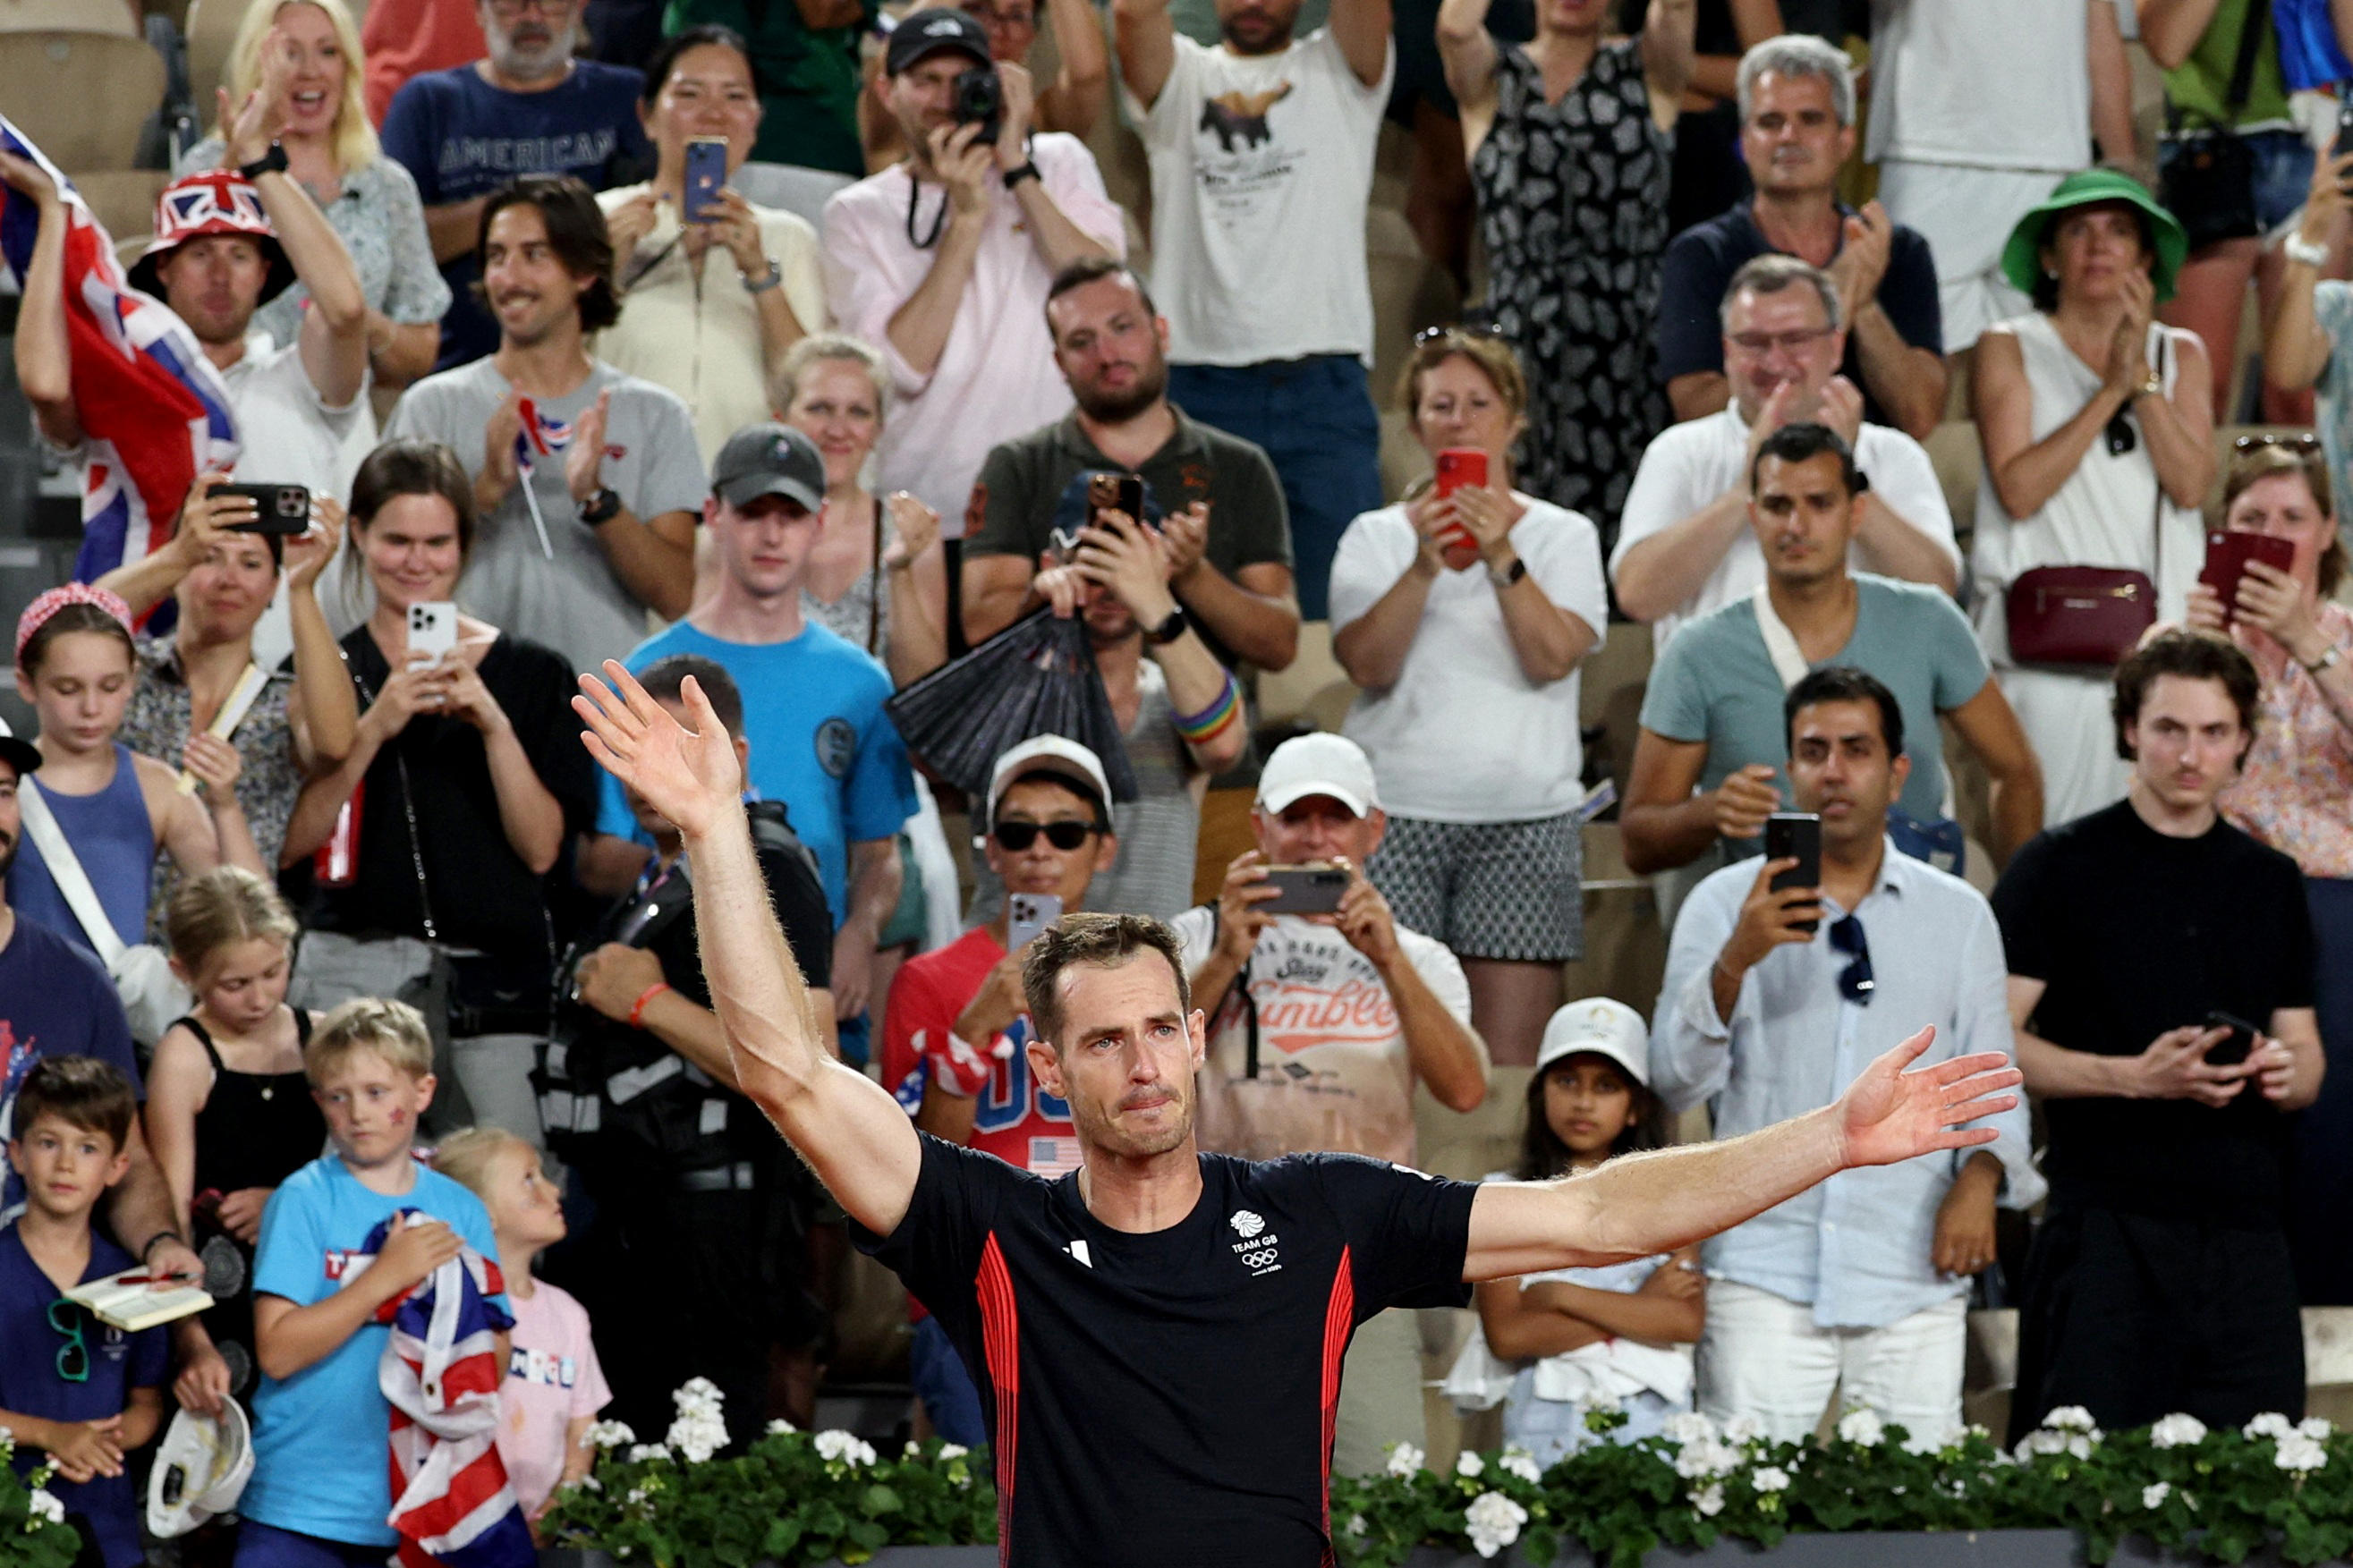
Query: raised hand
{"points": [[690, 776], [584, 460], [308, 553], [913, 529], [1890, 1114]]}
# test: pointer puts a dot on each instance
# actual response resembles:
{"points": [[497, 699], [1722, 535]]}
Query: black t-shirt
{"points": [[1698, 269], [1168, 1397], [2133, 933]]}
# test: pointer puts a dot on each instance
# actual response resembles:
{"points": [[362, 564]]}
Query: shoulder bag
{"points": [[153, 996], [2209, 181]]}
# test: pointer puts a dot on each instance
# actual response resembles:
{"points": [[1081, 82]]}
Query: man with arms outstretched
{"points": [[1183, 1314]]}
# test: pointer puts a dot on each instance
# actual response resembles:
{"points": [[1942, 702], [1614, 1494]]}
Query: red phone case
{"points": [[1457, 467], [2227, 554]]}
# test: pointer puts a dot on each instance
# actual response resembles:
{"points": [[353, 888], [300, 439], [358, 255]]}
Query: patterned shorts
{"points": [[1487, 890]]}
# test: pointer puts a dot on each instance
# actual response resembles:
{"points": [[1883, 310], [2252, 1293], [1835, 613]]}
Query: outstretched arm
{"points": [[847, 1127], [1645, 1204]]}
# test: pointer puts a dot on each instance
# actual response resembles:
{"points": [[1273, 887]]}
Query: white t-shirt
{"points": [[1333, 1073], [1988, 84], [1262, 168], [1692, 463], [1464, 735]]}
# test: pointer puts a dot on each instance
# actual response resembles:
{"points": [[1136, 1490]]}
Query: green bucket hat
{"points": [[2021, 258]]}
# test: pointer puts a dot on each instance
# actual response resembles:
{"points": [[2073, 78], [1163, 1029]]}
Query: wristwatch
{"points": [[2329, 661], [2295, 247], [1169, 630], [1504, 576], [1027, 170], [600, 508], [2151, 385], [270, 162], [760, 283]]}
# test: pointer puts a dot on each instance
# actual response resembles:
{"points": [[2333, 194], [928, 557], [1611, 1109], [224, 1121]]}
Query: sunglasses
{"points": [[1854, 981], [73, 1356], [2304, 443], [1065, 834]]}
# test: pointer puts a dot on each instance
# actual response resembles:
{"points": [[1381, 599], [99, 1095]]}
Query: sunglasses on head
{"points": [[1066, 835], [1455, 331], [2304, 443], [1854, 982]]}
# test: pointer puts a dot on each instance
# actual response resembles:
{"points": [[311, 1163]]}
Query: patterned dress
{"points": [[1573, 214]]}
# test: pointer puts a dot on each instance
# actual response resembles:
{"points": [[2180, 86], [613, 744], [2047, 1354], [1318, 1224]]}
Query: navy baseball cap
{"points": [[920, 35]]}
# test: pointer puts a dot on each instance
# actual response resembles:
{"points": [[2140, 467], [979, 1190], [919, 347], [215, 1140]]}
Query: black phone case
{"points": [[1788, 836]]}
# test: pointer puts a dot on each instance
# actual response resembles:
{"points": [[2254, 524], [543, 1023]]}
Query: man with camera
{"points": [[2161, 988], [1324, 1012], [1783, 982], [943, 261]]}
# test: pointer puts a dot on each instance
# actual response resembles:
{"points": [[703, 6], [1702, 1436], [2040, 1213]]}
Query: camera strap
{"points": [[939, 221]]}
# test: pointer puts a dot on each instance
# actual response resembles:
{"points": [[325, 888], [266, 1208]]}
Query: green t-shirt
{"points": [[2197, 87], [808, 78]]}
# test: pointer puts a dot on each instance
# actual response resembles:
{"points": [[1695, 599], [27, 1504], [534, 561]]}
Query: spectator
{"points": [[1977, 112], [804, 59], [1685, 547], [1706, 769], [113, 810], [527, 107], [956, 1035], [1321, 1028], [2293, 794], [1572, 191], [814, 720], [583, 479], [1227, 528], [304, 55], [223, 579], [319, 1489], [1708, 173], [683, 325], [950, 287], [1768, 1010], [2313, 315], [1075, 100], [2198, 44], [479, 747], [876, 576], [1797, 131], [403, 38], [1610, 1335], [678, 1167], [224, 245], [228, 1112], [1469, 702], [2096, 428], [1261, 160], [88, 1403], [2160, 1279]]}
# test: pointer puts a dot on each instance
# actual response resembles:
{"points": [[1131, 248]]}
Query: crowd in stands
{"points": [[329, 955]]}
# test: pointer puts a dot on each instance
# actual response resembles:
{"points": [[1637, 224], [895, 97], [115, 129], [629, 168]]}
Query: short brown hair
{"points": [[1491, 353], [1105, 942], [575, 232], [2192, 655], [392, 1030], [80, 1091], [2261, 462]]}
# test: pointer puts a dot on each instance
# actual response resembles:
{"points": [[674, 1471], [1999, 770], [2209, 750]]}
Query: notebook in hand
{"points": [[131, 1301]]}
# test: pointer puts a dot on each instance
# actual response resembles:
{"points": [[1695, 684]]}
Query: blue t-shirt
{"points": [[820, 742], [55, 1001], [1716, 683], [321, 1453], [462, 138], [30, 1384]]}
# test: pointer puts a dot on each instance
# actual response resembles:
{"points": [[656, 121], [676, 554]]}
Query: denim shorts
{"points": [[2283, 172]]}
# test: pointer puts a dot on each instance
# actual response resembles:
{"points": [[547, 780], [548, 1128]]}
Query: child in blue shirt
{"points": [[83, 1392], [321, 1490]]}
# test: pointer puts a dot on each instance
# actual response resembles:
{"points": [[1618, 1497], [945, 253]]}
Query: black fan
{"points": [[1037, 677]]}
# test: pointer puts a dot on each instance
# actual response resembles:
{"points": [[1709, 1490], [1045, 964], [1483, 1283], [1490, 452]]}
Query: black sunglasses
{"points": [[2122, 439], [1065, 834], [1854, 981]]}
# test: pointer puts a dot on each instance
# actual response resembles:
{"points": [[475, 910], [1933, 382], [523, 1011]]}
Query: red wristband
{"points": [[637, 1008]]}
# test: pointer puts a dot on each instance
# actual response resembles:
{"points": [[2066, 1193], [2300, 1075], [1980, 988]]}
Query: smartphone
{"points": [[1305, 890], [1457, 467], [2344, 142], [1027, 914], [432, 631], [2228, 551], [1795, 835], [706, 170], [2233, 1048], [279, 508], [1115, 492]]}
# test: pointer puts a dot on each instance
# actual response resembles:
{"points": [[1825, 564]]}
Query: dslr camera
{"points": [[980, 101]]}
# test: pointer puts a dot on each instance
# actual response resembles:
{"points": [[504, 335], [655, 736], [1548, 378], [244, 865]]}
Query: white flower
{"points": [[2071, 1418], [1709, 1499], [1917, 1443], [2270, 1424], [2319, 1428], [1698, 1461], [696, 1436], [1493, 1521], [1518, 1461], [780, 1428], [1404, 1459], [610, 1434], [1687, 1427], [41, 1505], [1743, 1429], [648, 1451], [1771, 1478], [1357, 1524], [1468, 1464], [591, 1482], [2300, 1454], [953, 1451], [2177, 1431], [2152, 1498], [2047, 1441], [1862, 1427], [845, 1446]]}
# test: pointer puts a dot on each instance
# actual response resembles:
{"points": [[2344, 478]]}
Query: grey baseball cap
{"points": [[769, 459]]}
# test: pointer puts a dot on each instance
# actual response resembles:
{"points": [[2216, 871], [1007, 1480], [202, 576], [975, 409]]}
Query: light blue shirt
{"points": [[1857, 1247], [322, 1455]]}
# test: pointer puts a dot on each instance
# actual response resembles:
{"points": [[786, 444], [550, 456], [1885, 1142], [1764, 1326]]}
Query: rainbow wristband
{"points": [[1196, 728]]}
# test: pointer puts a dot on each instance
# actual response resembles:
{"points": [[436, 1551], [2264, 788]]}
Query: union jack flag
{"points": [[154, 412]]}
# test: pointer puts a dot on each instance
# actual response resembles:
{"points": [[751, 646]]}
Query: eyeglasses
{"points": [[1766, 342], [2121, 436], [1854, 981], [1065, 834], [2304, 443], [73, 1356]]}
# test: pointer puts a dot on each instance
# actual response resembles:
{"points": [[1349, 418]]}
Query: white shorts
{"points": [[1764, 1357], [1966, 216]]}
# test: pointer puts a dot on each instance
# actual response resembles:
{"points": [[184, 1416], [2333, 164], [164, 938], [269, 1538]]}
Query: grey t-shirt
{"points": [[574, 603]]}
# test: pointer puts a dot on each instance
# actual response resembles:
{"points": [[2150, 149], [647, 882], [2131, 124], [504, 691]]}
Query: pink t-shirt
{"points": [[552, 1379]]}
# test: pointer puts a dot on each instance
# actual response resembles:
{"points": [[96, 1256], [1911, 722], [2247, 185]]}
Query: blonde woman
{"points": [[304, 57]]}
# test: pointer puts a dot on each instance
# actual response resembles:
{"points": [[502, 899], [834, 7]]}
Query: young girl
{"points": [[229, 1113], [1571, 1338], [553, 1387]]}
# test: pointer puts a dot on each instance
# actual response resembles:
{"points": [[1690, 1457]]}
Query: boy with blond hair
{"points": [[321, 1491], [84, 1392]]}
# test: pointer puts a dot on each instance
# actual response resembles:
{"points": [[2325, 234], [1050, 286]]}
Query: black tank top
{"points": [[256, 1128]]}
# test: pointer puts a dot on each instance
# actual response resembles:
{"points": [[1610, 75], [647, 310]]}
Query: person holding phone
{"points": [[2314, 313], [2295, 792], [2160, 1277], [1775, 998]]}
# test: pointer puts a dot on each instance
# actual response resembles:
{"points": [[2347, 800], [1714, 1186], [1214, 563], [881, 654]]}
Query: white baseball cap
{"points": [[200, 1470], [1319, 763], [1049, 754], [1603, 1028]]}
